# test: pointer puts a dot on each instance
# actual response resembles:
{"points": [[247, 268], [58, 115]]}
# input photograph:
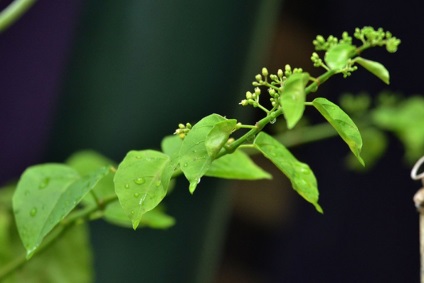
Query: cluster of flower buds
{"points": [[379, 37], [321, 43], [251, 98], [182, 130]]}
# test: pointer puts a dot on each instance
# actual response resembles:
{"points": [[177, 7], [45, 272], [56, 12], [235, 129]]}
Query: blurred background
{"points": [[115, 76]]}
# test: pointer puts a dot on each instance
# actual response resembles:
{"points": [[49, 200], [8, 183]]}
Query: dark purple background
{"points": [[33, 56]]}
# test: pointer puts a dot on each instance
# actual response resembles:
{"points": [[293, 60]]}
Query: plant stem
{"points": [[13, 12]]}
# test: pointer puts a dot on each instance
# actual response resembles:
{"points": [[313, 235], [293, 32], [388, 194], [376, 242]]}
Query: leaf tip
{"points": [[135, 224], [318, 208]]}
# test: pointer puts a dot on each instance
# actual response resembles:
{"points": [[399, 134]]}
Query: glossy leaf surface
{"points": [[337, 56], [238, 166], [193, 156], [67, 260], [141, 182], [375, 68], [37, 202], [300, 175], [342, 123], [293, 98]]}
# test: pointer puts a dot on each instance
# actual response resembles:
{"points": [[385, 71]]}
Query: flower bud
{"points": [[264, 72], [258, 77], [257, 91], [280, 73], [248, 95]]}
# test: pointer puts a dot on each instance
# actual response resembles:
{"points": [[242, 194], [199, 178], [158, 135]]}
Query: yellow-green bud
{"points": [[248, 95], [258, 77], [257, 91], [264, 72], [280, 73]]}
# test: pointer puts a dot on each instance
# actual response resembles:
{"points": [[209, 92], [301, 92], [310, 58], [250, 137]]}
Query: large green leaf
{"points": [[218, 136], [375, 68], [338, 55], [293, 98], [237, 165], [45, 194], [194, 157], [141, 182], [300, 175], [342, 123], [67, 260]]}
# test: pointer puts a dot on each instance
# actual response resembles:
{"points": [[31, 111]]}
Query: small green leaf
{"points": [[45, 195], [141, 182], [338, 55], [155, 218], [238, 166], [35, 201], [88, 161], [375, 68], [293, 99], [218, 136], [194, 158], [342, 123], [300, 175]]}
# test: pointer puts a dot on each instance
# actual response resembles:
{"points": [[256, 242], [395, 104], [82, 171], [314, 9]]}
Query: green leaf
{"points": [[218, 136], [67, 260], [155, 218], [88, 161], [293, 99], [342, 123], [375, 144], [375, 68], [44, 196], [238, 166], [194, 158], [405, 119], [141, 182], [171, 145], [300, 175], [338, 55]]}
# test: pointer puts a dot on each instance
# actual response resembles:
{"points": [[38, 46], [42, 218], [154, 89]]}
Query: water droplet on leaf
{"points": [[33, 212], [127, 186], [139, 181], [185, 164], [273, 121], [44, 183], [136, 195], [158, 183]]}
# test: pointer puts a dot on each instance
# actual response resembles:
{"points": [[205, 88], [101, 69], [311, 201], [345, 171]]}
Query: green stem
{"points": [[13, 12]]}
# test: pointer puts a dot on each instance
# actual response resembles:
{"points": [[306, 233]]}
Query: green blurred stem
{"points": [[13, 12]]}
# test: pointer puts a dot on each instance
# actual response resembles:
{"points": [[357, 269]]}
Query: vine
{"points": [[51, 197]]}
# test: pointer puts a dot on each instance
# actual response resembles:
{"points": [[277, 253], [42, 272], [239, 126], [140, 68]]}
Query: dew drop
{"points": [[185, 164], [33, 212], [138, 156], [127, 186], [158, 183], [139, 181], [44, 183], [136, 195], [132, 212], [273, 121]]}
